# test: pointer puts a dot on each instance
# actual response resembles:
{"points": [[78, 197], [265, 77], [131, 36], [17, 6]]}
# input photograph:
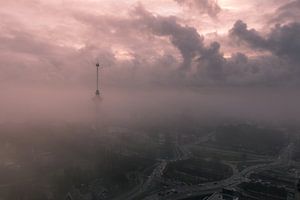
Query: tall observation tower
{"points": [[97, 91], [98, 96]]}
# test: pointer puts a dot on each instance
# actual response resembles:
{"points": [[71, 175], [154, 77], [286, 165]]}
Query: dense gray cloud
{"points": [[188, 41], [210, 7], [283, 40], [205, 64], [241, 32]]}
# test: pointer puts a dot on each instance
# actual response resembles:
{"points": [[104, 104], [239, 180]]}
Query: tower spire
{"points": [[97, 91]]}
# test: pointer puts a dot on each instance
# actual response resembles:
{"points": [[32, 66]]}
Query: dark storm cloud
{"points": [[241, 32], [212, 61], [210, 7], [201, 64], [282, 41], [187, 40], [205, 64]]}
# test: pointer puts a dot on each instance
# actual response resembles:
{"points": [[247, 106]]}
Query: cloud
{"points": [[156, 50], [241, 33], [210, 7], [187, 40], [282, 41], [201, 64], [287, 13], [205, 64]]}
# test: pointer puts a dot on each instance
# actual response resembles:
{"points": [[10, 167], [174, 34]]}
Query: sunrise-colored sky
{"points": [[151, 41]]}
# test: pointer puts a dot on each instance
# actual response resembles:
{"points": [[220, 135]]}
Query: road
{"points": [[181, 153], [236, 179], [181, 192], [146, 184]]}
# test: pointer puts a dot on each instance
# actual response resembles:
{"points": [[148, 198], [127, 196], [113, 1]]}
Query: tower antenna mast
{"points": [[97, 91]]}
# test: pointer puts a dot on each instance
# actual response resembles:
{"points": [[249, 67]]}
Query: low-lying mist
{"points": [[58, 140], [150, 105]]}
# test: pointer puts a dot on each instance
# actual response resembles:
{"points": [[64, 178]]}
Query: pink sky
{"points": [[57, 40]]}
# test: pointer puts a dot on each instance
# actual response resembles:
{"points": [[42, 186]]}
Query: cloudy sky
{"points": [[161, 42]]}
